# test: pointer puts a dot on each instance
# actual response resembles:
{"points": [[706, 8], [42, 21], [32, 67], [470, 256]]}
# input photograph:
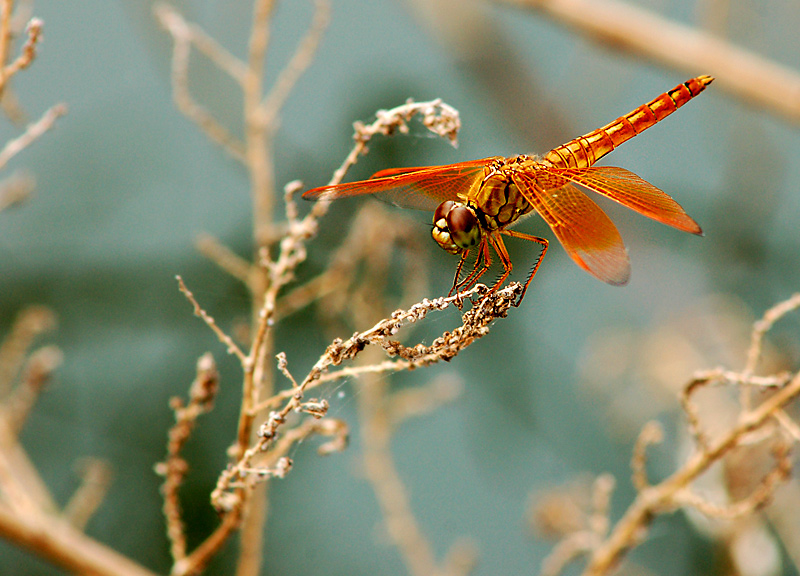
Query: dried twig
{"points": [[31, 134], [231, 346], [437, 116], [642, 32], [28, 52], [201, 400], [95, 481], [185, 36], [269, 274], [59, 542], [489, 307], [29, 324], [759, 429], [37, 373], [675, 490], [299, 63]]}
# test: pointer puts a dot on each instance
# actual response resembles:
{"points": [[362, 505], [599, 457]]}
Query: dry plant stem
{"points": [[585, 540], [60, 543], [266, 279], [223, 257], [763, 326], [651, 434], [380, 470], [19, 476], [38, 371], [299, 63], [27, 55], [654, 499], [567, 551], [231, 346], [201, 400], [95, 481], [6, 10], [437, 116], [349, 372], [759, 330], [185, 35], [14, 349], [489, 307], [22, 376], [261, 114], [258, 143], [16, 495], [644, 33], [31, 134]]}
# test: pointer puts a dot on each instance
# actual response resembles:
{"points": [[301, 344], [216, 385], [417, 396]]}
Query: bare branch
{"points": [[490, 306], [224, 257], [301, 60], [202, 393], [31, 134], [763, 326], [38, 370], [644, 33], [29, 324], [667, 494], [231, 346], [185, 35], [651, 434], [95, 481], [63, 545], [28, 52]]}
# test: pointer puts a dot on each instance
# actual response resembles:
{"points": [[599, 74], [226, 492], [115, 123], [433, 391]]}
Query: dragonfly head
{"points": [[456, 227]]}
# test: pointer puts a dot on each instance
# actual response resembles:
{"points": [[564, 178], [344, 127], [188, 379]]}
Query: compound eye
{"points": [[463, 225], [441, 211]]}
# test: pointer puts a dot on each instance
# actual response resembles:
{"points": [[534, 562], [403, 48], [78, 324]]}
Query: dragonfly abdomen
{"points": [[585, 150]]}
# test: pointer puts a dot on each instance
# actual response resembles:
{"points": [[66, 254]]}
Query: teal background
{"points": [[125, 184]]}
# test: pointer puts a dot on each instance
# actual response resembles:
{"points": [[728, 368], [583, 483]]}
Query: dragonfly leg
{"points": [[541, 241], [505, 259], [456, 282], [458, 271], [482, 263]]}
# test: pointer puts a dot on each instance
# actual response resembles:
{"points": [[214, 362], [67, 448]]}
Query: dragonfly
{"points": [[476, 203]]}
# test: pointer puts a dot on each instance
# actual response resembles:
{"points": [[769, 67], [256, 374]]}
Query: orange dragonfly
{"points": [[475, 203]]}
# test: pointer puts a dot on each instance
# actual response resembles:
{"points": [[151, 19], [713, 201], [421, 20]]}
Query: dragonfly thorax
{"points": [[497, 200], [456, 227]]}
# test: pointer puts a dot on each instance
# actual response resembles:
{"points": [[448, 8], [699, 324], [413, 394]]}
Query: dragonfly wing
{"points": [[586, 232], [633, 192], [416, 188]]}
